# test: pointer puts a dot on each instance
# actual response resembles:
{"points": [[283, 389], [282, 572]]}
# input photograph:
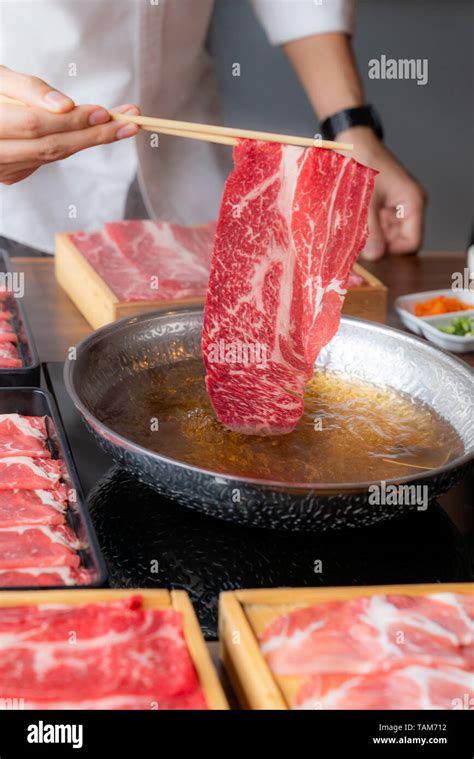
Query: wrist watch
{"points": [[363, 115]]}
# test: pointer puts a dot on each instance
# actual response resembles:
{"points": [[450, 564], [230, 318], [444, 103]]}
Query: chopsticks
{"points": [[224, 135], [195, 135], [211, 133]]}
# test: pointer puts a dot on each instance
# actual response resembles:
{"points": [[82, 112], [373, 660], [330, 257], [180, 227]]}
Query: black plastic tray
{"points": [[29, 374], [34, 402]]}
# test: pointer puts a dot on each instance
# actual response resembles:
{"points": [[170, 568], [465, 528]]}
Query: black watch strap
{"points": [[363, 115]]}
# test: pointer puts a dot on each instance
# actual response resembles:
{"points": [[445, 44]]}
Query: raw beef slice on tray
{"points": [[44, 576], [180, 257], [20, 507], [7, 333], [409, 687], [124, 279], [27, 473], [354, 280], [368, 634], [23, 436], [150, 260], [126, 657], [38, 546], [9, 356], [291, 224]]}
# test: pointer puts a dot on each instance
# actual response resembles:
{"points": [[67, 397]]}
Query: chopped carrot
{"points": [[440, 305]]}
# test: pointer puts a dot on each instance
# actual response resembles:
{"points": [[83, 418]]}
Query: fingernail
{"points": [[99, 116], [56, 99], [126, 108], [373, 250], [126, 131]]}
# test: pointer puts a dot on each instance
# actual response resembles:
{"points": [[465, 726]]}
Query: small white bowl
{"points": [[454, 343], [423, 325]]}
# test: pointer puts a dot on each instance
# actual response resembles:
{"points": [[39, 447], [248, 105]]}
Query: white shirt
{"points": [[114, 51]]}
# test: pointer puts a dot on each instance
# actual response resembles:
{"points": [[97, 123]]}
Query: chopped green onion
{"points": [[463, 326]]}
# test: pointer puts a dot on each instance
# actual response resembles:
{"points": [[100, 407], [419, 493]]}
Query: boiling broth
{"points": [[351, 431]]}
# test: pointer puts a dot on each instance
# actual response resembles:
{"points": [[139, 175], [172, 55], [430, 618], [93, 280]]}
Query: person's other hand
{"points": [[51, 127], [397, 208]]}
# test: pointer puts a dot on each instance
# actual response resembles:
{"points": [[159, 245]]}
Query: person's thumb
{"points": [[374, 248]]}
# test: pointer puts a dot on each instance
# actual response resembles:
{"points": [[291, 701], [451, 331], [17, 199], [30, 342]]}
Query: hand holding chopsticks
{"points": [[33, 136], [212, 133]]}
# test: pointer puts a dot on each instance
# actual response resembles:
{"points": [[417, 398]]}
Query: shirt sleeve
{"points": [[287, 20]]}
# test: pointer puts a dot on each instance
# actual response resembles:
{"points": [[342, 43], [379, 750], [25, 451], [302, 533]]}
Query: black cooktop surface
{"points": [[150, 541]]}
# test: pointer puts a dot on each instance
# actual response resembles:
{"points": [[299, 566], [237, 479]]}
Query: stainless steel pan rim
{"points": [[318, 487]]}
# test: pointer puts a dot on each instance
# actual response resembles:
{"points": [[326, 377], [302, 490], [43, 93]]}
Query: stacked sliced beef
{"points": [[378, 652], [122, 657], [37, 547], [150, 260], [9, 355]]}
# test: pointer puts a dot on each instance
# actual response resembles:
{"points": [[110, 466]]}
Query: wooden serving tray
{"points": [[244, 614], [368, 301], [152, 599], [99, 305]]}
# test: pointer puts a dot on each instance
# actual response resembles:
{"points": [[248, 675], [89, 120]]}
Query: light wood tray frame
{"points": [[243, 615]]}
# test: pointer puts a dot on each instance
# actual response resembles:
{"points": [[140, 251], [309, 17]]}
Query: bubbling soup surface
{"points": [[351, 431]]}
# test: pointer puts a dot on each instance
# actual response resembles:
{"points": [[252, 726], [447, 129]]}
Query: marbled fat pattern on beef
{"points": [[370, 633], [125, 280], [291, 224], [150, 260], [123, 657], [33, 507], [384, 651], [23, 436], [177, 257], [410, 687], [44, 576], [28, 473], [38, 546]]}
